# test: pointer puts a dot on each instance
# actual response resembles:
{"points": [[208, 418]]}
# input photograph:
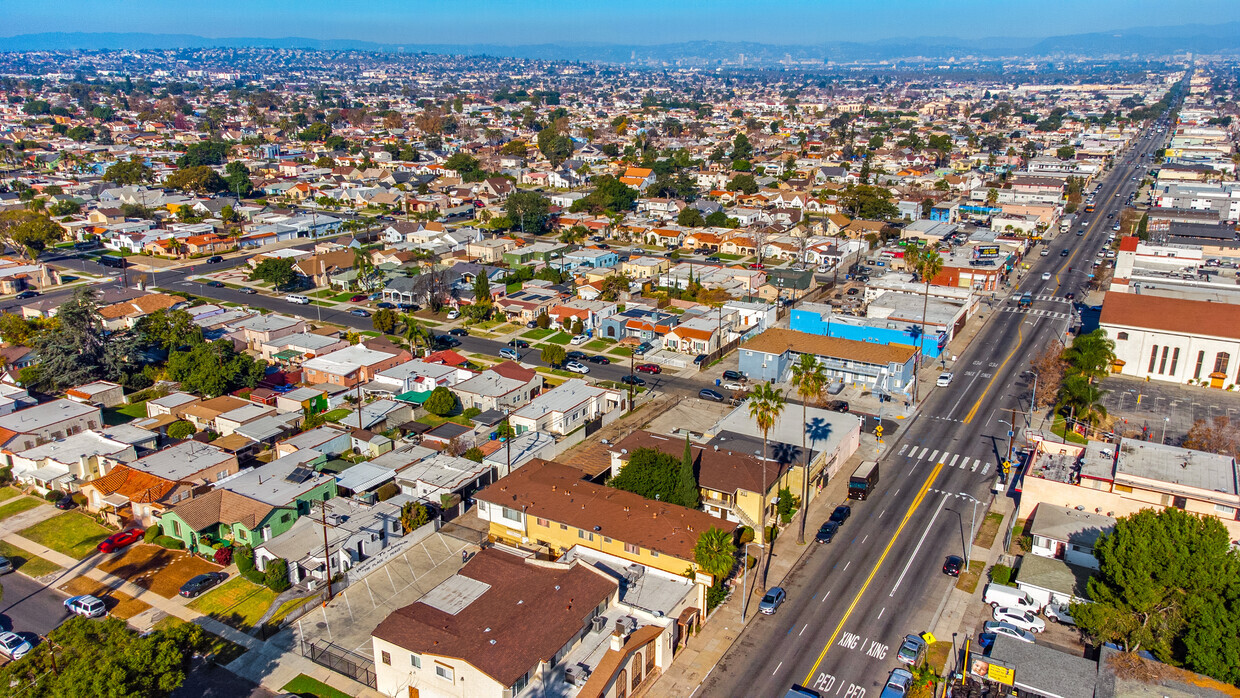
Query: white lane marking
{"points": [[846, 564], [864, 539], [777, 666], [953, 463], [824, 596], [803, 627], [918, 548], [880, 514], [880, 613]]}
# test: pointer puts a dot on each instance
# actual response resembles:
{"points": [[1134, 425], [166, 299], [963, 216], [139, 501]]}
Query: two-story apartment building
{"points": [[566, 407], [25, 429], [352, 366]]}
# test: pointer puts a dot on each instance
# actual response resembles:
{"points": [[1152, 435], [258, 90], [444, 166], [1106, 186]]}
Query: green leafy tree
{"points": [[719, 219], [237, 175], [414, 515], [868, 201], [1167, 584], [78, 350], [466, 166], [32, 232], [690, 217], [276, 576], [169, 329], [742, 149], [553, 354], [613, 286], [441, 401], [181, 429], [197, 180], [529, 211], [482, 289], [744, 183], [279, 272], [384, 320], [686, 492], [610, 194], [205, 153], [20, 331], [318, 131], [555, 146], [715, 553], [215, 368], [650, 473], [1065, 152]]}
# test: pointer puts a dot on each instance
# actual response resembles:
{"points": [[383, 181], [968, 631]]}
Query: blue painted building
{"points": [[817, 319], [591, 257], [771, 355]]}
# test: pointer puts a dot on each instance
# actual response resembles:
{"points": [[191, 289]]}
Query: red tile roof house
{"points": [[127, 496]]}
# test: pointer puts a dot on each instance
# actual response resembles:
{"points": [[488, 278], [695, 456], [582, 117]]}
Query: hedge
{"points": [[170, 543]]}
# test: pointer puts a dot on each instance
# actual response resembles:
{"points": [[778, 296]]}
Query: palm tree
{"points": [[415, 334], [929, 264], [1083, 399], [766, 403], [809, 378], [715, 553], [1091, 354]]}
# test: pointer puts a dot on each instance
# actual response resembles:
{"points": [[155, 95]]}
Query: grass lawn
{"points": [[304, 685], [937, 654], [988, 530], [324, 293], [505, 328], [620, 351], [596, 345], [967, 582], [561, 338], [555, 372], [344, 297], [1057, 428], [538, 333], [513, 287], [27, 563], [435, 420], [17, 506], [237, 602], [127, 413], [337, 414], [71, 533], [728, 257], [288, 607], [8, 493], [224, 650]]}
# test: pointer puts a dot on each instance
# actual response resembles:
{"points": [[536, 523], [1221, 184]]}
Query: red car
{"points": [[116, 541], [756, 265], [649, 368], [360, 298]]}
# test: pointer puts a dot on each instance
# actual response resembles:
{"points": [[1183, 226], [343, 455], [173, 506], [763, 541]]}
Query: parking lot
{"points": [[1175, 406]]}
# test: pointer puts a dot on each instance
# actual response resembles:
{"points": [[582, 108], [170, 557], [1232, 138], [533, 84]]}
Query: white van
{"points": [[997, 595], [299, 300]]}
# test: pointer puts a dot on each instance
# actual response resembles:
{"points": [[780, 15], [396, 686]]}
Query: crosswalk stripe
{"points": [[923, 453], [986, 469], [964, 462], [953, 463], [975, 464], [934, 456], [903, 449]]}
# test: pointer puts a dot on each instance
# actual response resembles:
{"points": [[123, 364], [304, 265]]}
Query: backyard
{"points": [[304, 685], [71, 533], [126, 413]]}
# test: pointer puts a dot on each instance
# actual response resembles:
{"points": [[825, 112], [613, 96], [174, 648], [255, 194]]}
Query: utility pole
{"points": [[1011, 435], [327, 553]]}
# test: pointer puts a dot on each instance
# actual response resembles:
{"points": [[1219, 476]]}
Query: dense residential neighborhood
{"points": [[345, 372]]}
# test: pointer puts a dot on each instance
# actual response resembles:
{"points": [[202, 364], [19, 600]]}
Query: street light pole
{"points": [[1164, 434], [968, 544], [1033, 398], [745, 583]]}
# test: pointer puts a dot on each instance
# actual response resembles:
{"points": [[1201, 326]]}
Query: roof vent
{"points": [[492, 642], [597, 528], [557, 588], [487, 630]]}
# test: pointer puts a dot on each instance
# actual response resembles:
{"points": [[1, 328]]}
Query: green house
{"points": [[222, 515]]}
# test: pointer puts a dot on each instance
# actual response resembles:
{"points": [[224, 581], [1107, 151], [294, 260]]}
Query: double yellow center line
{"points": [[921, 494]]}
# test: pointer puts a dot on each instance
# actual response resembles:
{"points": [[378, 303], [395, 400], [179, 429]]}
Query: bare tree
{"points": [[1219, 435], [1050, 367]]}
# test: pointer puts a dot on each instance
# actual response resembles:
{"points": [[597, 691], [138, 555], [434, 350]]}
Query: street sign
{"points": [[1011, 433], [1007, 466]]}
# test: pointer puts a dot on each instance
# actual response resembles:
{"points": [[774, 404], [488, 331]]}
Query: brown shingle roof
{"points": [[1171, 315], [222, 506], [530, 611], [777, 340], [557, 492], [721, 471]]}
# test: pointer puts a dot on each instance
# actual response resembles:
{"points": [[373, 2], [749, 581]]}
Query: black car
{"points": [[215, 259], [952, 565], [409, 307], [519, 343], [712, 259], [708, 394], [838, 405], [531, 325], [201, 583], [600, 360], [733, 376], [26, 294], [66, 502], [215, 284], [449, 342], [699, 359], [827, 532], [1063, 252], [459, 332], [575, 355], [385, 306], [841, 514], [604, 246], [632, 380]]}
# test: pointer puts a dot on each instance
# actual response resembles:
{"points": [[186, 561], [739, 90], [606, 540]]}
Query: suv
{"points": [[85, 605], [649, 368], [733, 376], [510, 354]]}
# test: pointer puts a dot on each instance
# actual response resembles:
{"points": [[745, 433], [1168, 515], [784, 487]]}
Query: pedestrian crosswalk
{"points": [[926, 454], [1045, 297], [1039, 312]]}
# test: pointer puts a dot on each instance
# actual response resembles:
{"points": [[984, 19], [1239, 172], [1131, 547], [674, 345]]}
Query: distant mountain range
{"points": [[1142, 42]]}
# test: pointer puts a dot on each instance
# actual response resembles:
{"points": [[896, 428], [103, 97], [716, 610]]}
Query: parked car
{"points": [[841, 514], [577, 367], [447, 341], [13, 646], [699, 359], [408, 307], [85, 605], [384, 305], [713, 260], [632, 380], [911, 650], [756, 265], [510, 354], [998, 595], [1024, 620], [454, 314], [26, 294], [6, 565], [1008, 630], [578, 339], [358, 312], [201, 583], [66, 502], [519, 343], [642, 348], [458, 332], [247, 290], [359, 298], [826, 532], [837, 405], [708, 394], [1059, 613], [733, 376], [214, 259], [732, 385], [772, 600], [944, 380], [215, 284], [649, 368], [531, 325], [120, 540], [575, 355], [952, 565], [600, 360], [898, 684]]}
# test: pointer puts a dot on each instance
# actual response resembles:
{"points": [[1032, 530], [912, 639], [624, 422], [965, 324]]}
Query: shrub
{"points": [[387, 490], [441, 401], [772, 532], [223, 556], [6, 474], [715, 595], [79, 499], [54, 495], [1001, 575], [276, 577], [152, 532], [181, 429], [170, 543], [750, 561], [471, 413], [474, 454], [745, 535], [414, 515]]}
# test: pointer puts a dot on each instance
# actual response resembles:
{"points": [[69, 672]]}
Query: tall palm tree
{"points": [[1083, 399], [929, 264], [1091, 354], [809, 378], [766, 403], [415, 334], [715, 553]]}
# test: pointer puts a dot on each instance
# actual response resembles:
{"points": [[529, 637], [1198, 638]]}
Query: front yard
{"points": [[25, 562], [237, 602], [157, 569], [119, 604], [17, 506], [71, 533]]}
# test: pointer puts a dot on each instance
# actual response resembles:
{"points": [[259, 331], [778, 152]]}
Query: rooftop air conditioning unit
{"points": [[599, 624]]}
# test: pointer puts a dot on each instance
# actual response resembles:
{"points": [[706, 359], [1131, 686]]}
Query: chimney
{"points": [[617, 640]]}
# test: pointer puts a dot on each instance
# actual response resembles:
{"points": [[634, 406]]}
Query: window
{"points": [[1220, 362], [654, 553], [1123, 488], [387, 658], [511, 514], [1179, 502], [415, 660], [221, 475], [1175, 360], [1162, 366], [585, 535], [176, 528], [563, 527], [649, 658], [632, 549], [1224, 510], [1153, 358], [1121, 336], [445, 672], [520, 684], [1201, 359], [637, 670], [543, 522]]}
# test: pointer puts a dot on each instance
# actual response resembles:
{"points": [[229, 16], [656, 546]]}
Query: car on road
{"points": [[733, 376], [1046, 276], [826, 532], [708, 394], [732, 385], [600, 360], [1045, 251], [1025, 620], [911, 650], [841, 514], [578, 339], [944, 379], [409, 307], [1063, 252], [359, 298], [757, 265], [799, 691], [447, 341], [66, 502], [1059, 613], [577, 367], [772, 600], [1069, 296], [359, 312], [458, 332], [713, 260], [510, 354], [837, 405], [454, 314], [519, 343], [214, 259], [247, 290], [85, 605], [952, 565], [215, 284], [632, 380], [649, 368], [197, 585], [13, 646], [575, 355], [6, 565], [1008, 630], [385, 306], [298, 299], [26, 294], [1080, 232], [122, 539], [898, 684]]}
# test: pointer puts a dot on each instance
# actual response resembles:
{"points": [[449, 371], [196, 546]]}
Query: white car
{"points": [[733, 386], [299, 300], [13, 646], [945, 379], [578, 339], [1046, 276], [1045, 251], [1007, 630], [1059, 613], [1025, 620], [454, 314], [577, 367]]}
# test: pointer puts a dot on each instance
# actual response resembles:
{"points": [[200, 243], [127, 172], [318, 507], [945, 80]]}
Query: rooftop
{"points": [[1076, 527], [183, 460], [1178, 466], [46, 415], [778, 340], [1044, 670], [279, 482]]}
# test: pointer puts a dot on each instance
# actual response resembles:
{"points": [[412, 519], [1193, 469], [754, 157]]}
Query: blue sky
{"points": [[618, 21]]}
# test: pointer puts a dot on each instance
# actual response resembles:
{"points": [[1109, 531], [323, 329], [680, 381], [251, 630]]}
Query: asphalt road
{"points": [[850, 602], [30, 608]]}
